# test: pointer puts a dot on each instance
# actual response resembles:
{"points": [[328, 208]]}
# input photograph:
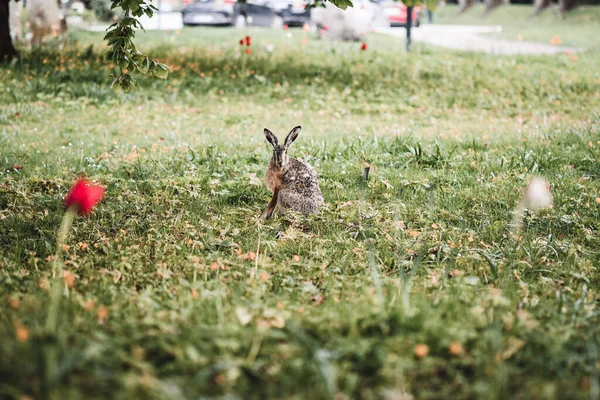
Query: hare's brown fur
{"points": [[293, 182]]}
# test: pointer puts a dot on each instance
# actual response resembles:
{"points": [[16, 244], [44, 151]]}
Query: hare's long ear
{"points": [[271, 138], [292, 136]]}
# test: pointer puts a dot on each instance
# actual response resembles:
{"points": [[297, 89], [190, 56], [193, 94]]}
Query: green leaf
{"points": [[342, 4], [161, 71], [144, 66], [123, 63], [128, 21]]}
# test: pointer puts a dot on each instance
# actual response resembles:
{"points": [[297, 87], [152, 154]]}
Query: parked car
{"points": [[209, 12], [274, 13], [396, 13], [270, 13]]}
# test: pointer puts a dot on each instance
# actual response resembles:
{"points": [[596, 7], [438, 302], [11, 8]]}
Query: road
{"points": [[475, 38]]}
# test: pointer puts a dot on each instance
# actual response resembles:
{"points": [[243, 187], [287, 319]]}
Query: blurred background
{"points": [[460, 24]]}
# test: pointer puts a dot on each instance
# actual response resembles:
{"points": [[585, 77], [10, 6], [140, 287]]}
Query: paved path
{"points": [[475, 38]]}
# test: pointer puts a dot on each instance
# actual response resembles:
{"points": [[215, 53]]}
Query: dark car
{"points": [[209, 12], [271, 13], [274, 13]]}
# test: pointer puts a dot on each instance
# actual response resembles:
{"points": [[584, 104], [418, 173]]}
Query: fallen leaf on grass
{"points": [[69, 279], [44, 283], [14, 303], [513, 345], [317, 299], [88, 305], [102, 313], [421, 350], [248, 256], [21, 333], [456, 348], [526, 320], [276, 322]]}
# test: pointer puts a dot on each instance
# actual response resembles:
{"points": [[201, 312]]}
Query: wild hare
{"points": [[293, 182]]}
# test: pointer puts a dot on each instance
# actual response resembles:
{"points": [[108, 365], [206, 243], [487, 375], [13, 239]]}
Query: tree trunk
{"points": [[491, 5], [409, 11], [567, 5], [541, 5], [7, 50], [464, 5]]}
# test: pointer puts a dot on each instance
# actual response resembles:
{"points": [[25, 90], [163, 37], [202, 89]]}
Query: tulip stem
{"points": [[64, 229], [50, 349]]}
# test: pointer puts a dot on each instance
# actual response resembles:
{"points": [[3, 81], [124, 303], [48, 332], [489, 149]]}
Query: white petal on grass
{"points": [[243, 315], [537, 197], [538, 194]]}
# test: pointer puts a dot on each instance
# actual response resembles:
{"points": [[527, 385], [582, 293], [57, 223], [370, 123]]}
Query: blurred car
{"points": [[209, 12], [396, 13], [270, 13], [292, 12]]}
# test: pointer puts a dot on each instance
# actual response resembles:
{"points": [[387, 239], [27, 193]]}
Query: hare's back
{"points": [[300, 175]]}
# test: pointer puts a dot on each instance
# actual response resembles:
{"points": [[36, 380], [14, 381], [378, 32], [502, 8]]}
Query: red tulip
{"points": [[241, 42], [363, 47], [322, 32], [84, 196], [285, 27], [247, 50], [326, 27], [248, 41]]}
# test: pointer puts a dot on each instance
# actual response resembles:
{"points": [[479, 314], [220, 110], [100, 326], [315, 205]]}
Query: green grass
{"points": [[579, 28], [169, 300]]}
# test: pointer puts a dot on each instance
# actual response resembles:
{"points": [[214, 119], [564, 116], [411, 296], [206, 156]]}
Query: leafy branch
{"points": [[128, 58], [123, 52]]}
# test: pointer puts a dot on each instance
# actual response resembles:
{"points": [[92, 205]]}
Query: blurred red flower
{"points": [[326, 27], [363, 47], [247, 50], [84, 196], [248, 41], [285, 27], [241, 42]]}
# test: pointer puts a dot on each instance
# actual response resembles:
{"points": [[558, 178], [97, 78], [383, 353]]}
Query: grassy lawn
{"points": [[580, 28], [408, 284]]}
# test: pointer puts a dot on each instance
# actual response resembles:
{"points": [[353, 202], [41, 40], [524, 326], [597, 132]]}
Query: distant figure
{"points": [[45, 18], [15, 11], [429, 16], [350, 24]]}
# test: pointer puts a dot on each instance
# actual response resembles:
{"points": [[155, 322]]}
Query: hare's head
{"points": [[280, 156]]}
